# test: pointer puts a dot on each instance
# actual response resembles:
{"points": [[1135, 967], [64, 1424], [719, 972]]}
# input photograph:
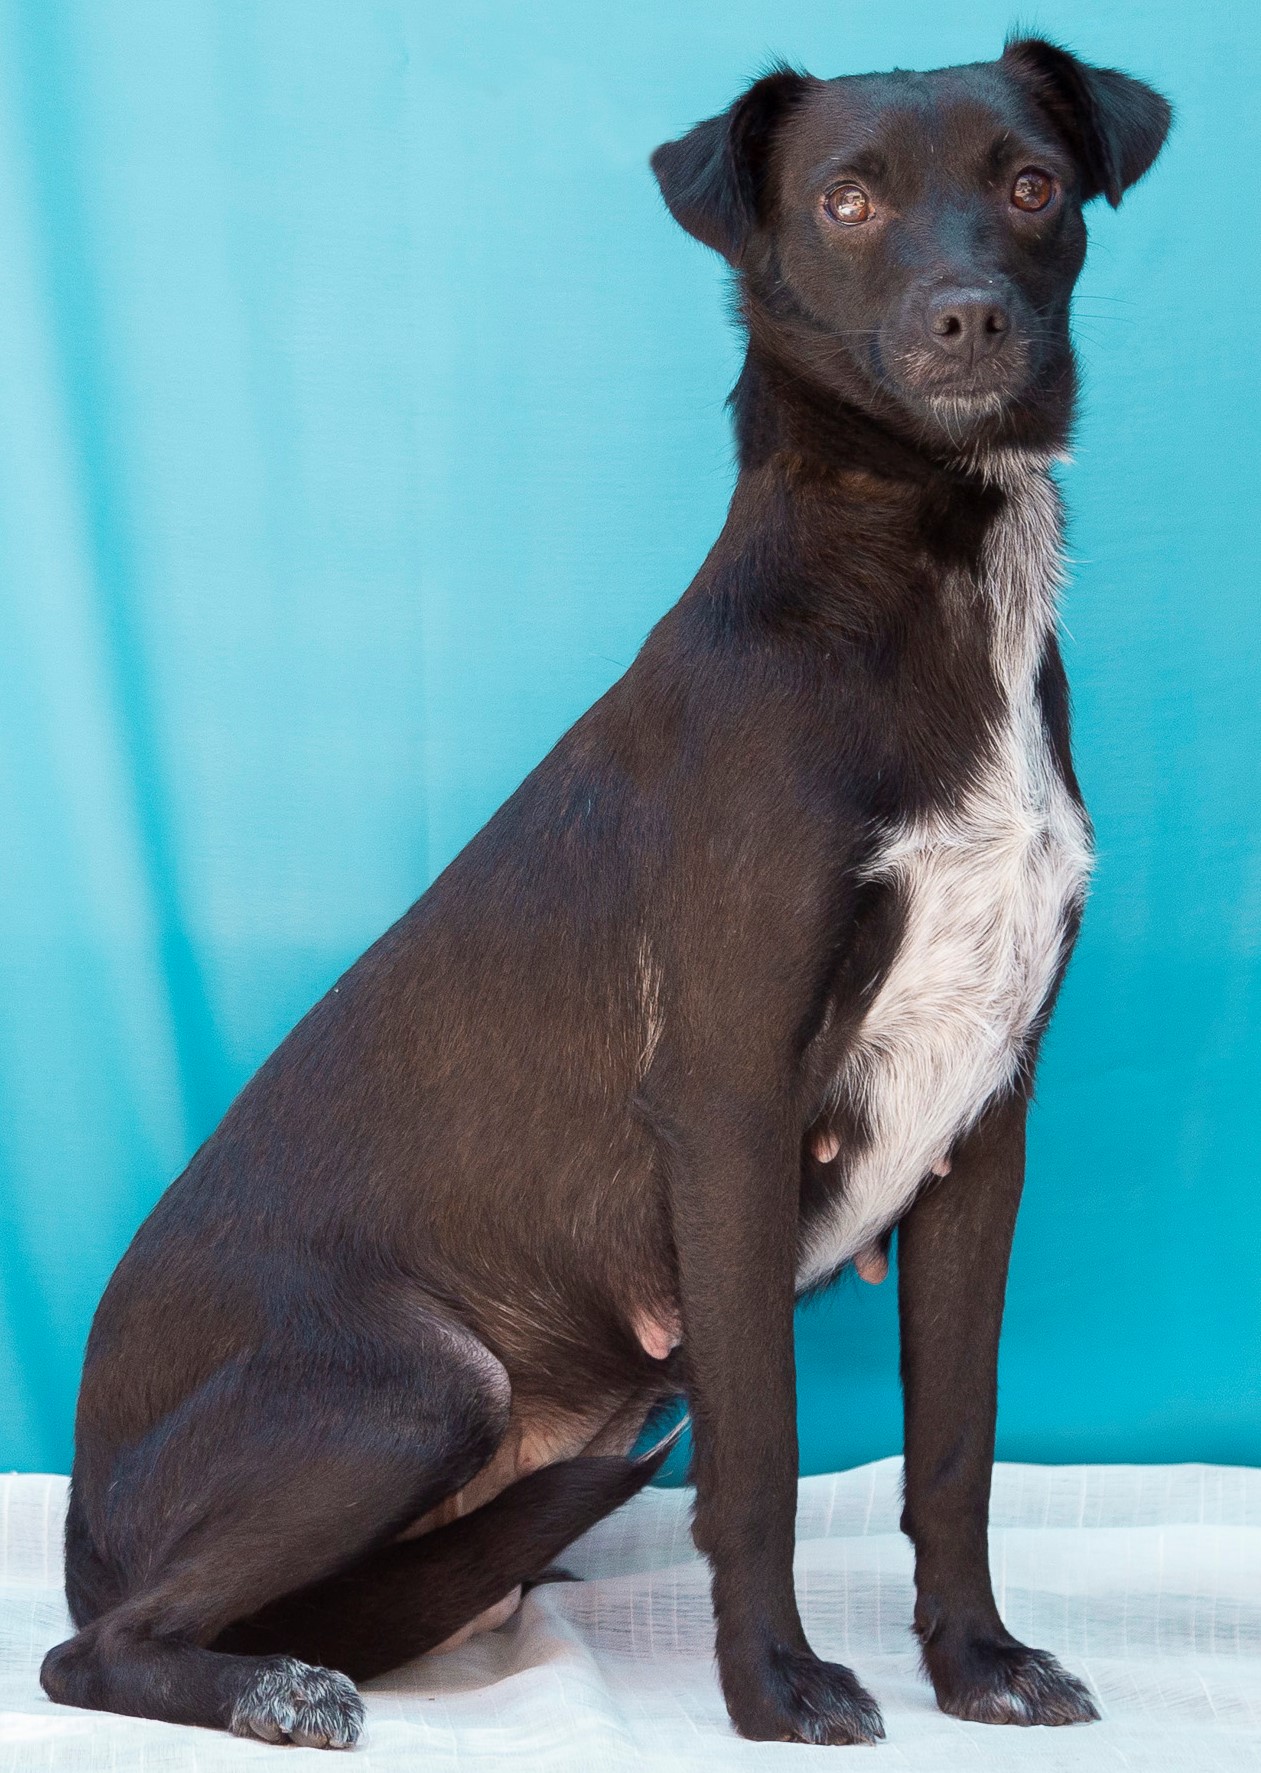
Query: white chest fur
{"points": [[987, 889]]}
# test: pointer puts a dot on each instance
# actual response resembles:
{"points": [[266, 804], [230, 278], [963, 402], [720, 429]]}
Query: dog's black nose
{"points": [[968, 323]]}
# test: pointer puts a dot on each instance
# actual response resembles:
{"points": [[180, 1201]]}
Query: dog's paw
{"points": [[289, 1701], [997, 1683], [794, 1697]]}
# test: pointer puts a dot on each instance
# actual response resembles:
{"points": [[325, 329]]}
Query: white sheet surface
{"points": [[1144, 1579]]}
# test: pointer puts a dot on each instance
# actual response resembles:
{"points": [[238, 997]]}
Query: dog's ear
{"points": [[712, 178], [1115, 125]]}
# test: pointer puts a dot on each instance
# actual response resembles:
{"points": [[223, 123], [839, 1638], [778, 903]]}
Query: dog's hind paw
{"points": [[289, 1701], [1011, 1684]]}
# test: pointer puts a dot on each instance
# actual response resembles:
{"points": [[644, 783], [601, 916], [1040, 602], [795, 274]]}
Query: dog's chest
{"points": [[987, 892]]}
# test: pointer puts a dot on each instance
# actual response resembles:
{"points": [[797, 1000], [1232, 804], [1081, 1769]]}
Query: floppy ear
{"points": [[712, 178], [1115, 125]]}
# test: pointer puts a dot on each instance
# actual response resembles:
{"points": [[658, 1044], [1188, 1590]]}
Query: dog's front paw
{"points": [[791, 1696], [989, 1682]]}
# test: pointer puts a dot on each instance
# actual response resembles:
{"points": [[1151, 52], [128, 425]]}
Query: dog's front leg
{"points": [[735, 1224], [953, 1250]]}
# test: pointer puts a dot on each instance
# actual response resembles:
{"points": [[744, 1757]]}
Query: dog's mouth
{"points": [[918, 378], [954, 388], [966, 405]]}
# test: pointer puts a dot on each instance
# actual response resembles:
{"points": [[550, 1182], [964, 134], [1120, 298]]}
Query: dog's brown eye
{"points": [[1033, 189], [849, 204]]}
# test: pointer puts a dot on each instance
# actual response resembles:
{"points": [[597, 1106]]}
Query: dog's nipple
{"points": [[827, 1145], [941, 1167], [872, 1263], [658, 1336]]}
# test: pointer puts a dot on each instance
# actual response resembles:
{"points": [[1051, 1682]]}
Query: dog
{"points": [[751, 970]]}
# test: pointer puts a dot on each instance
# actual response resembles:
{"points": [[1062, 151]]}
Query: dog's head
{"points": [[911, 241]]}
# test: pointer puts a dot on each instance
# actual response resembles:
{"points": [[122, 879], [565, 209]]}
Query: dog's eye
{"points": [[1033, 189], [849, 204]]}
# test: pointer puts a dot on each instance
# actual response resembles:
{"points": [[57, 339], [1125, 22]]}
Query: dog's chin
{"points": [[958, 414]]}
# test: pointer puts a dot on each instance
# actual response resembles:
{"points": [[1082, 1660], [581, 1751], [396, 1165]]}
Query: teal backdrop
{"points": [[361, 411]]}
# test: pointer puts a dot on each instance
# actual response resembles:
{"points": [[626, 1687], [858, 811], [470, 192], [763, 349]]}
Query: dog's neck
{"points": [[781, 410], [837, 520]]}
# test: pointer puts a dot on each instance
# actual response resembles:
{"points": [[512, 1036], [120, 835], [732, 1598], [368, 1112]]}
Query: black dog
{"points": [[751, 969]]}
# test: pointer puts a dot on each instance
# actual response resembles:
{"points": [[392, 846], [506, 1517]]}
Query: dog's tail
{"points": [[403, 1599]]}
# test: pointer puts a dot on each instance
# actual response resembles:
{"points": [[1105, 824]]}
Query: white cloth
{"points": [[1146, 1580]]}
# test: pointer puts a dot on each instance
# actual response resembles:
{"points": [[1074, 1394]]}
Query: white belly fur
{"points": [[987, 889]]}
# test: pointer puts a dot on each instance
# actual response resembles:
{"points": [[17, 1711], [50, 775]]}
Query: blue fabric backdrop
{"points": [[361, 410]]}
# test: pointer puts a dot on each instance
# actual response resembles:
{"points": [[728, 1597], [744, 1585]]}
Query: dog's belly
{"points": [[988, 893]]}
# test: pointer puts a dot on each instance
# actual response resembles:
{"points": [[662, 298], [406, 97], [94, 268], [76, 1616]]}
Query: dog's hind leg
{"points": [[403, 1599], [286, 1465]]}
